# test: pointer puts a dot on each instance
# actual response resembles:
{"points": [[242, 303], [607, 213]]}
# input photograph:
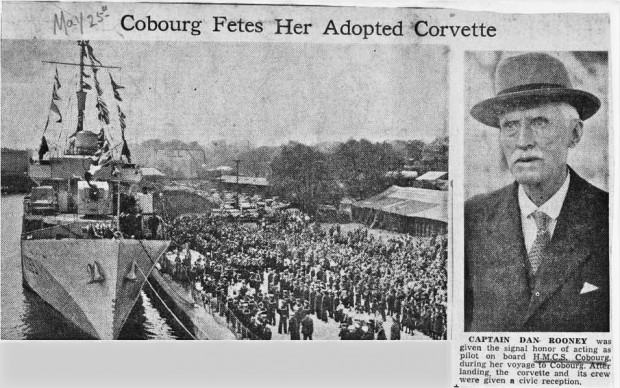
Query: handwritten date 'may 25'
{"points": [[66, 22]]}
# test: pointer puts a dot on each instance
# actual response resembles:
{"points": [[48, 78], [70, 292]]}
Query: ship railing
{"points": [[226, 317], [96, 229], [60, 231]]}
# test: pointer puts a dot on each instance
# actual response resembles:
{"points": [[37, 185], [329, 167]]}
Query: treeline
{"points": [[309, 176], [356, 169], [181, 160]]}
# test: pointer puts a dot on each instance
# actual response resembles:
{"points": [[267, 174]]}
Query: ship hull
{"points": [[61, 273]]}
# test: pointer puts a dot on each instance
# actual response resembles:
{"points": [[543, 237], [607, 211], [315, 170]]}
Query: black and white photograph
{"points": [[224, 191], [537, 203]]}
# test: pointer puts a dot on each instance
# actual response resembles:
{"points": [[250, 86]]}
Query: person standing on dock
{"points": [[283, 313], [153, 223], [294, 326], [395, 329], [307, 327]]}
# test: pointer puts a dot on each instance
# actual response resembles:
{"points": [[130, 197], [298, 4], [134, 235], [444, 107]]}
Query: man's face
{"points": [[535, 142]]}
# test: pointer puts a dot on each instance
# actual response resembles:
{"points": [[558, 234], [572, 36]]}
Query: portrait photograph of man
{"points": [[536, 202]]}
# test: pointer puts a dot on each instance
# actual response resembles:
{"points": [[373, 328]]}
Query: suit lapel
{"points": [[506, 234], [567, 249], [506, 262]]}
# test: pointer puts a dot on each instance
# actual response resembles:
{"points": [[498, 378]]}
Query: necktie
{"points": [[542, 239]]}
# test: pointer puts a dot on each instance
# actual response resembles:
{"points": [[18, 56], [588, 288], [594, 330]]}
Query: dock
{"points": [[194, 316]]}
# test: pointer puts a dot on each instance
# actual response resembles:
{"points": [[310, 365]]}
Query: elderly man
{"points": [[537, 253]]}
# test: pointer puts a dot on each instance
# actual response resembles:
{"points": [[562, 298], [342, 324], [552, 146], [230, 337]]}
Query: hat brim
{"points": [[488, 111]]}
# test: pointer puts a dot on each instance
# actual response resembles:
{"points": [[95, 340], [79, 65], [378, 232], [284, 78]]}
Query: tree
{"points": [[414, 150], [256, 161], [361, 167], [300, 175], [435, 154]]}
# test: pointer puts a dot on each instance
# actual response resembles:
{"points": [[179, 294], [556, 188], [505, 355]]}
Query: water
{"points": [[24, 315]]}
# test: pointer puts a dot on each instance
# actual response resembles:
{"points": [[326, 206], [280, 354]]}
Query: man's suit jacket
{"points": [[571, 289]]}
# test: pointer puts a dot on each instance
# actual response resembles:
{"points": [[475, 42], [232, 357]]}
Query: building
{"points": [[245, 184], [15, 171], [437, 180], [417, 211], [403, 177], [434, 176], [181, 163], [152, 174]]}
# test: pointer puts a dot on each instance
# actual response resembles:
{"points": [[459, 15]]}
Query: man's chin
{"points": [[527, 178]]}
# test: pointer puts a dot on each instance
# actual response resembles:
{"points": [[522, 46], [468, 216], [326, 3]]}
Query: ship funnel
{"points": [[131, 275], [86, 143]]}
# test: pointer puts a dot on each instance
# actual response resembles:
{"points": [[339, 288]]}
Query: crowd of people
{"points": [[286, 268]]}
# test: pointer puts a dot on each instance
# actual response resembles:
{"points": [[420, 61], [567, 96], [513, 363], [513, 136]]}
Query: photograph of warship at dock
{"points": [[223, 191]]}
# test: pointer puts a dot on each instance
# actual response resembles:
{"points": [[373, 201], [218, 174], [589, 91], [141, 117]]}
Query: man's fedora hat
{"points": [[528, 80]]}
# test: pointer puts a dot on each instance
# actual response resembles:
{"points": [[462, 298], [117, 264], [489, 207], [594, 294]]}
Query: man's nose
{"points": [[526, 138]]}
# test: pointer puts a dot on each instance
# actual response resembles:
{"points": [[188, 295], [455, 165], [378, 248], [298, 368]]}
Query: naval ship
{"points": [[79, 253]]}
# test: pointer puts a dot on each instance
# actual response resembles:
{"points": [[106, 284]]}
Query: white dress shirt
{"points": [[552, 208]]}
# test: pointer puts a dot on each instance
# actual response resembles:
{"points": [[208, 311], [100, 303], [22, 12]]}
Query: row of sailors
{"points": [[327, 303], [101, 230], [250, 315], [255, 314], [247, 310], [294, 316], [242, 312]]}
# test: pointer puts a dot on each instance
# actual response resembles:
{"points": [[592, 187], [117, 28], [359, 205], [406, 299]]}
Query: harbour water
{"points": [[24, 315]]}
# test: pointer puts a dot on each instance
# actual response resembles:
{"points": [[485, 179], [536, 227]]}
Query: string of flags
{"points": [[91, 54], [104, 114], [44, 148], [121, 117], [53, 105], [115, 88], [103, 155]]}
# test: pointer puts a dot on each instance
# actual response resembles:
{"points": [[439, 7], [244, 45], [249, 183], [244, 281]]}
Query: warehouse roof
{"points": [[410, 202], [245, 180]]}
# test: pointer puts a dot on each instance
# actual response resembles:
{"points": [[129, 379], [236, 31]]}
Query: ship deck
{"points": [[68, 218]]}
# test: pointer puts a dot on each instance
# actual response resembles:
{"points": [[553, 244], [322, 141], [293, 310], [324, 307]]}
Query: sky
{"points": [[260, 93]]}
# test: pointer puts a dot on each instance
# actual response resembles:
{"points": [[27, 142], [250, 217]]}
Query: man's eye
{"points": [[509, 125], [539, 121]]}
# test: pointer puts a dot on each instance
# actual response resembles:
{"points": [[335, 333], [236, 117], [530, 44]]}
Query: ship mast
{"points": [[81, 94]]}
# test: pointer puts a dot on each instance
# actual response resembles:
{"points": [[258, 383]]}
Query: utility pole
{"points": [[237, 161]]}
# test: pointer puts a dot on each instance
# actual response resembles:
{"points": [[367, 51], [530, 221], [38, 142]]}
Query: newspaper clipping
{"points": [[415, 173]]}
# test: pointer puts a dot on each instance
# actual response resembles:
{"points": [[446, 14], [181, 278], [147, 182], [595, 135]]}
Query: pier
{"points": [[194, 315]]}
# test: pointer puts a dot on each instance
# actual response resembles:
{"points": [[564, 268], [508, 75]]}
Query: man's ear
{"points": [[576, 126]]}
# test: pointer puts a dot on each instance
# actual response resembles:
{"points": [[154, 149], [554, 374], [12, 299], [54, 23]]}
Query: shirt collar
{"points": [[553, 205]]}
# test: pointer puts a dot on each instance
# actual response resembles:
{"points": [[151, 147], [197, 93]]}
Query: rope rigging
{"points": [[165, 305]]}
